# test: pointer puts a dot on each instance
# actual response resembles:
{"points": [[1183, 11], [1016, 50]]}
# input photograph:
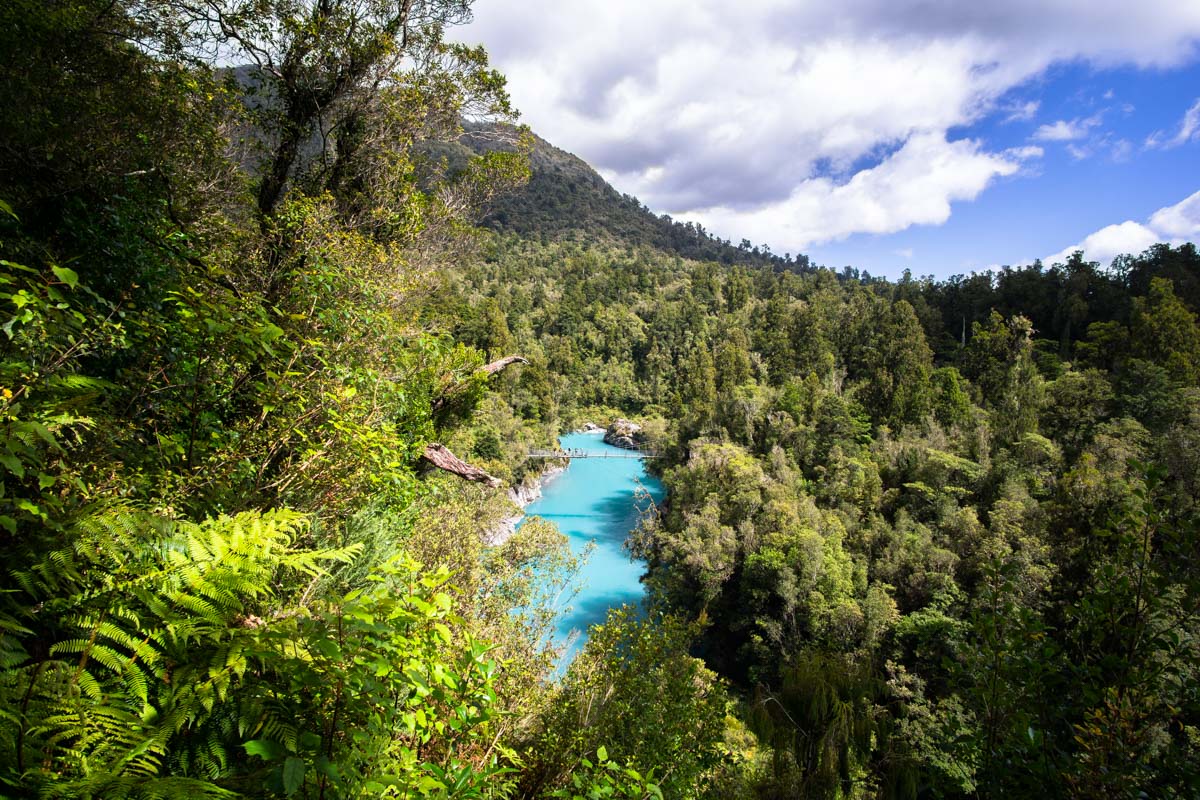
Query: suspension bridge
{"points": [[574, 452]]}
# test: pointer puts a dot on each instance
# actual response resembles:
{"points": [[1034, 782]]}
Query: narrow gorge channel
{"points": [[596, 501]]}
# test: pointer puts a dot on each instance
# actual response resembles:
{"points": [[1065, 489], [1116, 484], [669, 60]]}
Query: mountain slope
{"points": [[566, 196]]}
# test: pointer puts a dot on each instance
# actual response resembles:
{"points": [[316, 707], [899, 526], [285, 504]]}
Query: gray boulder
{"points": [[626, 434]]}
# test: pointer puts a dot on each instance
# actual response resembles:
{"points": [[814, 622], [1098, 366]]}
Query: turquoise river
{"points": [[595, 501]]}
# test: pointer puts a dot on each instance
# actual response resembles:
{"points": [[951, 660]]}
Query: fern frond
{"points": [[141, 695]]}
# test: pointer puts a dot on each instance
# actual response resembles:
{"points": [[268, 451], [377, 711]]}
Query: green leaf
{"points": [[13, 464], [329, 649], [602, 754], [265, 749], [67, 275], [7, 209], [330, 770], [293, 775], [418, 681], [270, 332]]}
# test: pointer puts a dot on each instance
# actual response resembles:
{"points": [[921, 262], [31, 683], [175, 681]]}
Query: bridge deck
{"points": [[575, 453]]}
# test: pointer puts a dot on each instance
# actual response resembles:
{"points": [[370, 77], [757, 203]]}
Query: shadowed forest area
{"points": [[921, 538]]}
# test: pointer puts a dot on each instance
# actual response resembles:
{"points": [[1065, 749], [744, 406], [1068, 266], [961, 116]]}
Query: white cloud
{"points": [[1189, 130], [694, 105], [914, 186], [1109, 242], [1180, 221], [1173, 224], [1060, 131], [1190, 125], [1022, 111], [1118, 150], [1026, 152], [1064, 131]]}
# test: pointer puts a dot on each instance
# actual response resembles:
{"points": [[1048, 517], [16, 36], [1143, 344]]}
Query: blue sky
{"points": [[1106, 176], [884, 134]]}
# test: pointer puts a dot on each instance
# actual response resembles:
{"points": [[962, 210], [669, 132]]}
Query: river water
{"points": [[594, 501]]}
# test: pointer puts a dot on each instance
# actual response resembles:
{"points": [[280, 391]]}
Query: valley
{"points": [[301, 493]]}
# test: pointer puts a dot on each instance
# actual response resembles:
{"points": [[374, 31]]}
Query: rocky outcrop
{"points": [[625, 434], [590, 427]]}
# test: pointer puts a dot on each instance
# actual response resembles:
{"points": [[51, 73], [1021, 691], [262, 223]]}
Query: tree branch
{"points": [[440, 456]]}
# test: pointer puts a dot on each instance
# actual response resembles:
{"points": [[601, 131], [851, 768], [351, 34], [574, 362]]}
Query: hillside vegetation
{"points": [[565, 199], [920, 539]]}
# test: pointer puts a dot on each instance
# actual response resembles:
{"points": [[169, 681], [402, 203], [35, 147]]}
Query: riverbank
{"points": [[529, 491]]}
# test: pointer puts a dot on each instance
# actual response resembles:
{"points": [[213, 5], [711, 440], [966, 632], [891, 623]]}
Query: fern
{"points": [[155, 623]]}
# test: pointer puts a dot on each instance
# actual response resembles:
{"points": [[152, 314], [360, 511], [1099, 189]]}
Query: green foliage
{"points": [[53, 325], [381, 696], [177, 662], [135, 639], [191, 338], [909, 522], [636, 694], [593, 780], [951, 402], [1164, 331], [1133, 653], [825, 729], [999, 360]]}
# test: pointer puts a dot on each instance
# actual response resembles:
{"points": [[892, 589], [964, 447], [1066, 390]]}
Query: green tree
{"points": [[898, 367], [999, 361], [1076, 403], [825, 726], [950, 399], [1164, 331], [635, 692]]}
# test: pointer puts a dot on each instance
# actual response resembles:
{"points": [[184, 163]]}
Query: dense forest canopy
{"points": [[922, 538]]}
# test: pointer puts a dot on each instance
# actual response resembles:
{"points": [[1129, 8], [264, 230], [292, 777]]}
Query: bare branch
{"points": [[502, 364], [440, 456]]}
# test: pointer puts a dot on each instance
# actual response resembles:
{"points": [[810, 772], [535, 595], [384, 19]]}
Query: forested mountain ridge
{"points": [[921, 539], [565, 197]]}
